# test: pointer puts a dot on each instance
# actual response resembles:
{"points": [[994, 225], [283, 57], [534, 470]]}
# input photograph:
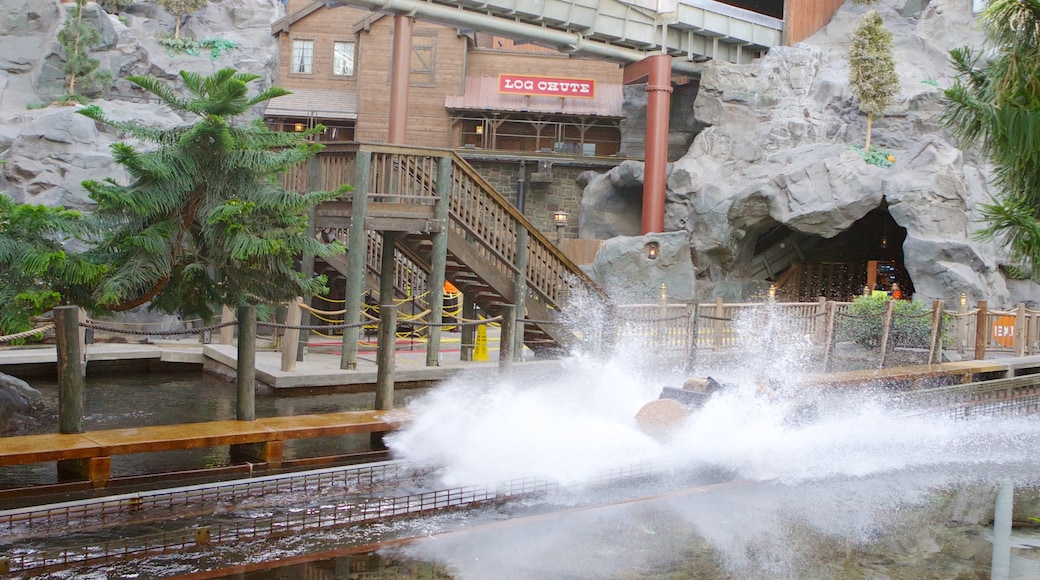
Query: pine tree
{"points": [[995, 103], [872, 69], [37, 272], [204, 221], [76, 38], [180, 8]]}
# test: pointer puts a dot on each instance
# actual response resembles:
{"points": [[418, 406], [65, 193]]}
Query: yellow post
{"points": [[480, 350]]}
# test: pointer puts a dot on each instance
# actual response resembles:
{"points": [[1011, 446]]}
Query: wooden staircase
{"points": [[492, 249]]}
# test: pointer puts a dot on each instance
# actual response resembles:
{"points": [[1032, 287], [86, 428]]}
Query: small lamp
{"points": [[298, 127], [480, 129], [964, 299], [772, 292], [560, 221], [652, 250]]}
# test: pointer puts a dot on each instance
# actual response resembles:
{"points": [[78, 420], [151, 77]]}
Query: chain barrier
{"points": [[161, 333], [960, 314], [27, 333]]}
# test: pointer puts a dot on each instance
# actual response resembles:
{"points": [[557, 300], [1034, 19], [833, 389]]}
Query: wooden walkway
{"points": [[921, 376], [88, 456]]}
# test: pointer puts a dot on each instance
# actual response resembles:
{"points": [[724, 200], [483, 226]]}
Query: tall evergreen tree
{"points": [[76, 37], [872, 68], [995, 103], [204, 220]]}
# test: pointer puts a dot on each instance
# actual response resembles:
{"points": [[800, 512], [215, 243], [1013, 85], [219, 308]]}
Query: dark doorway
{"points": [[839, 268]]}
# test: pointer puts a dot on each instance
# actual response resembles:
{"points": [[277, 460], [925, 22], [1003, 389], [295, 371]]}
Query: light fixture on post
{"points": [[560, 221], [772, 292]]}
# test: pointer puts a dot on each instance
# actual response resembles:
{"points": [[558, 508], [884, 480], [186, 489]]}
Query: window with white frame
{"points": [[302, 56], [343, 58]]}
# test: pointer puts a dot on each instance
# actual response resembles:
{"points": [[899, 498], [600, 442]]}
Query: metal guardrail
{"points": [[323, 517], [998, 396]]}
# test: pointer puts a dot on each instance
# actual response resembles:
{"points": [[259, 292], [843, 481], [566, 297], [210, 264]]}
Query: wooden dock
{"points": [[88, 456]]}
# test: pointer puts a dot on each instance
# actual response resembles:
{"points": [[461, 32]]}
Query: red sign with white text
{"points": [[546, 86]]}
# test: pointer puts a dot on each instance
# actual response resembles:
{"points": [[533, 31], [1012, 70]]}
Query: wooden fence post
{"points": [[70, 371], [291, 338], [1020, 330], [691, 336], [507, 338], [981, 328], [246, 382], [935, 343], [886, 328], [828, 345], [227, 333], [716, 329], [962, 325]]}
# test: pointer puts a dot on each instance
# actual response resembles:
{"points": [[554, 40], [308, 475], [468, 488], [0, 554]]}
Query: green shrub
{"points": [[192, 47], [863, 322], [114, 6]]}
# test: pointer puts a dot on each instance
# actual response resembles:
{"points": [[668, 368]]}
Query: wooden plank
{"points": [[54, 447], [47, 447]]}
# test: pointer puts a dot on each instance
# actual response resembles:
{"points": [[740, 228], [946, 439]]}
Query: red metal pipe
{"points": [[658, 102], [400, 71]]}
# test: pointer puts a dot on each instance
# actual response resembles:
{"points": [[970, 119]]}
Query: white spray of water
{"points": [[573, 423]]}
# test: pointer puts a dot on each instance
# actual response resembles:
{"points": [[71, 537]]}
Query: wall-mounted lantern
{"points": [[652, 250], [298, 127], [560, 221]]}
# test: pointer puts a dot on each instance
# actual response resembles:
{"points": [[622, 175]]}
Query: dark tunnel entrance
{"points": [[868, 254]]}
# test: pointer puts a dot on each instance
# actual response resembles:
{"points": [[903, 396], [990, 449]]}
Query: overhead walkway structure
{"points": [[690, 31]]}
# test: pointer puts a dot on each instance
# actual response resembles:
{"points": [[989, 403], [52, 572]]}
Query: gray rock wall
{"points": [[46, 150], [778, 150]]}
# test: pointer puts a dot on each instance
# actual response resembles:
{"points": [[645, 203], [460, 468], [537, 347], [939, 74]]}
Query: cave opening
{"points": [[803, 268]]}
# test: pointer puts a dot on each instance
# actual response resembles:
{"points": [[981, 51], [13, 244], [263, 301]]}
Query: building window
{"points": [[303, 56], [343, 59], [422, 61]]}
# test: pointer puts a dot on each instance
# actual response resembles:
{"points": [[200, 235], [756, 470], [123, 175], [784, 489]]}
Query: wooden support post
{"points": [[303, 337], [71, 382], [716, 329], [886, 329], [520, 292], [291, 338], [245, 409], [438, 261], [935, 343], [819, 319], [981, 330], [96, 470], [507, 339], [357, 252], [385, 357], [828, 341], [385, 360], [691, 336], [467, 332], [227, 333], [1020, 330]]}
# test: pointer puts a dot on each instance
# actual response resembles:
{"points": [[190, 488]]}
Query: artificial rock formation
{"points": [[19, 405], [778, 151], [46, 150]]}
